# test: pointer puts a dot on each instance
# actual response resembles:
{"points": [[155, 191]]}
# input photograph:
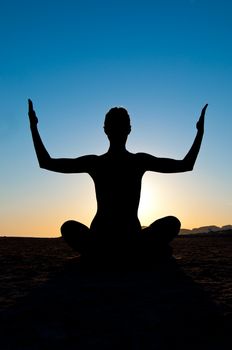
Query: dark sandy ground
{"points": [[50, 300]]}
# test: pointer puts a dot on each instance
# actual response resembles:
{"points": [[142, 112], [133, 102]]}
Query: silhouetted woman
{"points": [[117, 175]]}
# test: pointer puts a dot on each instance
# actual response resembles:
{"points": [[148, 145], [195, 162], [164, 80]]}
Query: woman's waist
{"points": [[115, 223]]}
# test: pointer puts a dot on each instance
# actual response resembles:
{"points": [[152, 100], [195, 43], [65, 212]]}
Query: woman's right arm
{"points": [[61, 165], [43, 156]]}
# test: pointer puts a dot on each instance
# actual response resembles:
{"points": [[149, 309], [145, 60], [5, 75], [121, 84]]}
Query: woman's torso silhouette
{"points": [[117, 180]]}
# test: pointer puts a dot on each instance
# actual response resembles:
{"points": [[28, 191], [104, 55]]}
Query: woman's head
{"points": [[117, 121]]}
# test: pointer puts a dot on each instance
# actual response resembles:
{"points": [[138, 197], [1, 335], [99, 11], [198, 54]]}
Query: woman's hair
{"points": [[117, 118]]}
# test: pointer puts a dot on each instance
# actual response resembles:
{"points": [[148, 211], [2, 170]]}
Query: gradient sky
{"points": [[160, 59]]}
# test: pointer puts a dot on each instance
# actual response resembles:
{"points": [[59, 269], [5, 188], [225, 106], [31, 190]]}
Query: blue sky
{"points": [[162, 60]]}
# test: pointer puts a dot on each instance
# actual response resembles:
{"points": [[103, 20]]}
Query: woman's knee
{"points": [[75, 235], [68, 226], [174, 222], [168, 227], [72, 227], [167, 221]]}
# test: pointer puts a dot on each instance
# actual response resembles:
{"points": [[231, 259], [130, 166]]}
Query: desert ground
{"points": [[49, 300]]}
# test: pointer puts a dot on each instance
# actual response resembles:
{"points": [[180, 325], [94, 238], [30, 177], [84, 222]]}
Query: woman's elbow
{"points": [[187, 166], [45, 164]]}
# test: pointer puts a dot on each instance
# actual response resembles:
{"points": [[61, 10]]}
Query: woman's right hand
{"points": [[201, 121], [31, 113]]}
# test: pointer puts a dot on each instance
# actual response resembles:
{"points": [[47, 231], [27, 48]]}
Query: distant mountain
{"points": [[206, 229]]}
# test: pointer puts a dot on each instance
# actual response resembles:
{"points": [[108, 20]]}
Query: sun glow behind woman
{"points": [[148, 202]]}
